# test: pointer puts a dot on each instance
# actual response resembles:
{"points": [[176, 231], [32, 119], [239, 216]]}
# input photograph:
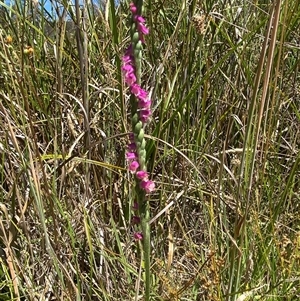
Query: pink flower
{"points": [[132, 147], [142, 29], [128, 52], [131, 137], [135, 89], [136, 220], [138, 236], [133, 8], [133, 166], [131, 156], [135, 206], [143, 95], [127, 59], [140, 25], [139, 19], [130, 78], [144, 115], [142, 175], [139, 92], [144, 104], [127, 68], [148, 186]]}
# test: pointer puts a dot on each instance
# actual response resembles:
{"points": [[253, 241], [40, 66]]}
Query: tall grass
{"points": [[223, 150]]}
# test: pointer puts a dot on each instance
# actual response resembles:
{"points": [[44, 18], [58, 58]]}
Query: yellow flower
{"points": [[28, 50], [8, 39]]}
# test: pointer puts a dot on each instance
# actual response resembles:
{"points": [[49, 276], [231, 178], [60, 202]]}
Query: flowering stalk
{"points": [[140, 114]]}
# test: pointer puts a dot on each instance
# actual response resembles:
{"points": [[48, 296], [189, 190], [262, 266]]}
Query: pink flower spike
{"points": [[131, 156], [148, 186], [138, 236], [142, 175], [133, 166]]}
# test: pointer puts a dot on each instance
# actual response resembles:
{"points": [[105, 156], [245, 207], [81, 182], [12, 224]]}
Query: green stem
{"points": [[145, 217]]}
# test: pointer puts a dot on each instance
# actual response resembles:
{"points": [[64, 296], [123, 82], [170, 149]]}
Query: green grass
{"points": [[222, 147]]}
